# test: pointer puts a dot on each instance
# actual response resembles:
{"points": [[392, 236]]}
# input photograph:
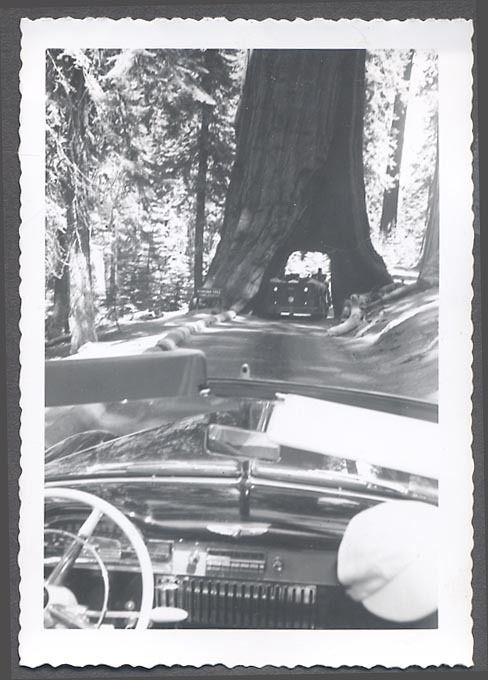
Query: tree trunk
{"points": [[76, 189], [397, 134], [82, 312], [114, 273], [60, 316], [297, 182], [111, 269], [59, 322], [201, 186], [429, 259], [82, 308], [200, 198]]}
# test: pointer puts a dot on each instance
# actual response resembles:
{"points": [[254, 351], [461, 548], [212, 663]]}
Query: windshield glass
{"points": [[212, 436]]}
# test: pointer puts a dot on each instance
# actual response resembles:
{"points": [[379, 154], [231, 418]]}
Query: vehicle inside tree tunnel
{"points": [[301, 289]]}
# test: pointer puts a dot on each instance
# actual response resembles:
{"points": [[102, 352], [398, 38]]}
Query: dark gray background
{"points": [[10, 15]]}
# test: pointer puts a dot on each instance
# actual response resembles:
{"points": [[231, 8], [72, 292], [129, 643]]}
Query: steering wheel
{"points": [[65, 610]]}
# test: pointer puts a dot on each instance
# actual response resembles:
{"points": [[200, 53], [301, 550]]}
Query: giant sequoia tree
{"points": [[297, 182]]}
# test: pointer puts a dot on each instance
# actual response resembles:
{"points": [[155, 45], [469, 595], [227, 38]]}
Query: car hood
{"points": [[165, 479], [166, 476], [179, 444]]}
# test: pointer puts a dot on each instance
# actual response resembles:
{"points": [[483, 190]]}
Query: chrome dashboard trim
{"points": [[128, 479]]}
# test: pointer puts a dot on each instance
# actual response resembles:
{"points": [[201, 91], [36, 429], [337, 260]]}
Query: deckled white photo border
{"points": [[452, 642]]}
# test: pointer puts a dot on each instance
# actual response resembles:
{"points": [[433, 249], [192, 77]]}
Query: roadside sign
{"points": [[209, 292], [204, 296]]}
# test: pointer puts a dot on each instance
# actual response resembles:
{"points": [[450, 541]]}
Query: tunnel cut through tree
{"points": [[297, 182]]}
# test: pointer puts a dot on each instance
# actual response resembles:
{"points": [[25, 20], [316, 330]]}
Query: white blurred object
{"points": [[388, 560], [168, 615], [375, 437]]}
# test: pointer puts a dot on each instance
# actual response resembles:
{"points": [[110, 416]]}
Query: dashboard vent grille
{"points": [[241, 604]]}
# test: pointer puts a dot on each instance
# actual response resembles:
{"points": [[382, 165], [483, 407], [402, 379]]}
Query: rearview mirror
{"points": [[238, 443]]}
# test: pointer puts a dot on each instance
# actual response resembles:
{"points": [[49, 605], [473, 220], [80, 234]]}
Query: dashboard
{"points": [[236, 538], [220, 584], [203, 559]]}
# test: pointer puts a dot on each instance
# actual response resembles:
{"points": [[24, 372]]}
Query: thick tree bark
{"points": [[297, 182], [429, 259], [397, 134]]}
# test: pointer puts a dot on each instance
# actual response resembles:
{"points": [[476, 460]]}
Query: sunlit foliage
{"points": [[140, 191], [131, 177], [384, 71]]}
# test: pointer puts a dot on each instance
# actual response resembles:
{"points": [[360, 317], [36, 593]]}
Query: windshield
{"points": [[213, 436]]}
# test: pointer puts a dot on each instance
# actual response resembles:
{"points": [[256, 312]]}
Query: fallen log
{"points": [[357, 308], [400, 292], [58, 340], [388, 288], [371, 303], [353, 320]]}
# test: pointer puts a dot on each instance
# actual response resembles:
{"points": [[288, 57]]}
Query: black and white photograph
{"points": [[246, 268]]}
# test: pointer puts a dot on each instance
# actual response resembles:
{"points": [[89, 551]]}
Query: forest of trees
{"points": [[166, 169]]}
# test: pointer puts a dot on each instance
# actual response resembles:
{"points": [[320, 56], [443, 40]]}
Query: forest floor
{"points": [[399, 344], [133, 336], [393, 351]]}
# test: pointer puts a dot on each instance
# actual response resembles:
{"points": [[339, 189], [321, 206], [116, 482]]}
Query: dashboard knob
{"points": [[194, 556], [168, 615], [277, 563], [169, 583]]}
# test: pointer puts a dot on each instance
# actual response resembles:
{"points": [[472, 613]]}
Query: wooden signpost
{"points": [[208, 297]]}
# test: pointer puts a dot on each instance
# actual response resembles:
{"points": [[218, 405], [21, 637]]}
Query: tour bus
{"points": [[297, 296]]}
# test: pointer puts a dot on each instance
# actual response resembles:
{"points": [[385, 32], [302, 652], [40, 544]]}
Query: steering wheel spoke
{"points": [[71, 554], [90, 524], [69, 616]]}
